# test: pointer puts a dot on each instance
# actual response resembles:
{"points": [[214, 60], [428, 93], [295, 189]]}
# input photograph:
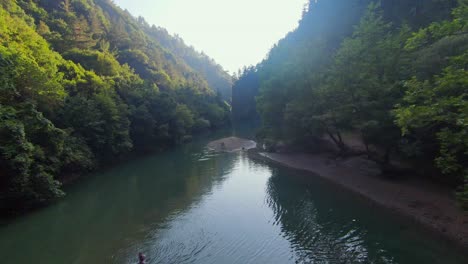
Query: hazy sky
{"points": [[233, 32]]}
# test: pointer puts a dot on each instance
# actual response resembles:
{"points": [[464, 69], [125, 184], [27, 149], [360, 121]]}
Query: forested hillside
{"points": [[391, 72], [83, 83], [214, 74], [244, 91]]}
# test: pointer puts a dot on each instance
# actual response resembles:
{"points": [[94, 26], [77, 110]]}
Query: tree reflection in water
{"points": [[325, 224]]}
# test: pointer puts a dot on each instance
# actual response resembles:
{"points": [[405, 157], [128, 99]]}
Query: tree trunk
{"points": [[338, 141]]}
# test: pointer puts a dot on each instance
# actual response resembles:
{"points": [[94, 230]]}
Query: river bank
{"points": [[193, 204], [422, 201]]}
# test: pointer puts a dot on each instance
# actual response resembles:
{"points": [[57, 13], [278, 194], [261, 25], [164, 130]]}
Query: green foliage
{"points": [[435, 107], [394, 74], [292, 101], [364, 80], [31, 148], [102, 63], [214, 74], [183, 119], [108, 89]]}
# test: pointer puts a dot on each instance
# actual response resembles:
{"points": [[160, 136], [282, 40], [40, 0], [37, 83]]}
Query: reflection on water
{"points": [[316, 228], [190, 205], [323, 224]]}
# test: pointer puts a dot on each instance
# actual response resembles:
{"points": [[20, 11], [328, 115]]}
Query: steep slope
{"points": [[244, 91], [82, 84], [214, 74], [392, 73], [308, 50]]}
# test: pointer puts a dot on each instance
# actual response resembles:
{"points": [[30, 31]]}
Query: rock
{"points": [[231, 144]]}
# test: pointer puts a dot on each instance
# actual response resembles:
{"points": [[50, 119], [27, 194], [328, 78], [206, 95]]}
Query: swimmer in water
{"points": [[141, 258]]}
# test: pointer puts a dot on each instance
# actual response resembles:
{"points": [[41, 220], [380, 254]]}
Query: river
{"points": [[189, 205]]}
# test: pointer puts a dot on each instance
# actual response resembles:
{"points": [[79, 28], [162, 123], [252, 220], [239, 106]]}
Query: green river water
{"points": [[189, 205]]}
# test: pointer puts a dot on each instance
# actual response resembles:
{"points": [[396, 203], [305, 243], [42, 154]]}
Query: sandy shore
{"points": [[420, 200], [231, 144]]}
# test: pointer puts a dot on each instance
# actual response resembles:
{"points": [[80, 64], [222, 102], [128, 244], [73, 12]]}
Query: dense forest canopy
{"points": [[391, 72], [84, 83]]}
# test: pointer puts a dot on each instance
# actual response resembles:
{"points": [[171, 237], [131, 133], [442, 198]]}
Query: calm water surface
{"points": [[189, 205]]}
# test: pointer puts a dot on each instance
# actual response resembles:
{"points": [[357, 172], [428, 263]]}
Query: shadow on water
{"points": [[190, 205], [106, 212], [325, 224]]}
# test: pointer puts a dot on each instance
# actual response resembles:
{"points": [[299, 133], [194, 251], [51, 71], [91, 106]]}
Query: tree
{"points": [[82, 83], [364, 81], [435, 108]]}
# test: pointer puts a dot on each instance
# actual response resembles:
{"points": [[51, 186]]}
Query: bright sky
{"points": [[235, 33]]}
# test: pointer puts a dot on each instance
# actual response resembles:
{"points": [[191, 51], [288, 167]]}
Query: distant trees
{"points": [[216, 77], [395, 79], [244, 91]]}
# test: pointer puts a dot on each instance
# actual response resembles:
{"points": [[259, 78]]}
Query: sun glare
{"points": [[235, 33]]}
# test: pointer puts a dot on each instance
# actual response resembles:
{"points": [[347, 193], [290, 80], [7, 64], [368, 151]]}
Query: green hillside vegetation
{"points": [[214, 74], [392, 72], [83, 84]]}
